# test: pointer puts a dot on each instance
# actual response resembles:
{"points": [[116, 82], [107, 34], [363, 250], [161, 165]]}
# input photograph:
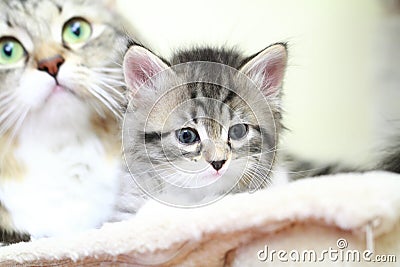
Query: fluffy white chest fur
{"points": [[69, 182]]}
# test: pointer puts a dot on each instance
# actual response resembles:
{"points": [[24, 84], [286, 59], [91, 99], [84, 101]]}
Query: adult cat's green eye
{"points": [[76, 30], [11, 51], [238, 131], [187, 136]]}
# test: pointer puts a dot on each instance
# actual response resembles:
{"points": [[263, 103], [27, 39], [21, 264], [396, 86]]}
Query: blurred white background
{"points": [[330, 81]]}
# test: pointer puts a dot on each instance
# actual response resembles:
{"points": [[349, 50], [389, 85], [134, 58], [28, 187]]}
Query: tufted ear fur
{"points": [[267, 69], [140, 65]]}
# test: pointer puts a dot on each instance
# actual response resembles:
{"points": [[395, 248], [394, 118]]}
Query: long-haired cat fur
{"points": [[203, 124], [60, 97]]}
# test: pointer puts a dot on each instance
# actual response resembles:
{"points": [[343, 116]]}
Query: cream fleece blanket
{"points": [[329, 219]]}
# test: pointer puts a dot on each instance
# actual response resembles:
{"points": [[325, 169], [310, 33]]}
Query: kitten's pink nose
{"points": [[51, 65]]}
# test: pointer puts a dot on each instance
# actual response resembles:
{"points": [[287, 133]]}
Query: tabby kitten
{"points": [[204, 124], [60, 98]]}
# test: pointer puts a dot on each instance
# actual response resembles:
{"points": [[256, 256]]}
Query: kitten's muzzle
{"points": [[215, 153]]}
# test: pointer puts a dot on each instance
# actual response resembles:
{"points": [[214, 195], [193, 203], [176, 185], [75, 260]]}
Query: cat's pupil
{"points": [[76, 29], [8, 49]]}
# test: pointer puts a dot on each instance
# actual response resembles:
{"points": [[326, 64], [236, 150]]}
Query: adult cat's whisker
{"points": [[108, 74], [106, 96], [110, 78], [9, 123], [9, 111], [105, 101], [97, 109], [113, 90], [115, 80], [13, 122], [7, 98], [118, 64], [24, 112], [105, 70]]}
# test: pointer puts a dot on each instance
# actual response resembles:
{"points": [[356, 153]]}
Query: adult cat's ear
{"points": [[267, 68], [140, 65]]}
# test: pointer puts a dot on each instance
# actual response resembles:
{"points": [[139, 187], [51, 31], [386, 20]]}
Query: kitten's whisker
{"points": [[245, 179], [263, 168], [152, 169], [272, 150], [264, 175], [273, 170], [189, 178], [258, 178], [165, 173], [167, 178], [157, 188]]}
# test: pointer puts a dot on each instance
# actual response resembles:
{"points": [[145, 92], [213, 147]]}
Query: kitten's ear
{"points": [[140, 65], [267, 69]]}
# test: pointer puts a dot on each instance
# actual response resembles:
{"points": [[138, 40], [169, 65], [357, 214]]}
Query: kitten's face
{"points": [[209, 133], [203, 124], [53, 49]]}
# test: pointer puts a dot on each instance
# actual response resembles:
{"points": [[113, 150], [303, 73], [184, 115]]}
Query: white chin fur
{"points": [[69, 183], [34, 88]]}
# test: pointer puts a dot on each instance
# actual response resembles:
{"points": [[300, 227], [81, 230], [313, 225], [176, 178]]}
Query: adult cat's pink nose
{"points": [[51, 65]]}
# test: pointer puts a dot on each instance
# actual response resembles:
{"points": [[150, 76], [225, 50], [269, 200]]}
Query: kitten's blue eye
{"points": [[187, 136], [76, 30], [238, 131]]}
